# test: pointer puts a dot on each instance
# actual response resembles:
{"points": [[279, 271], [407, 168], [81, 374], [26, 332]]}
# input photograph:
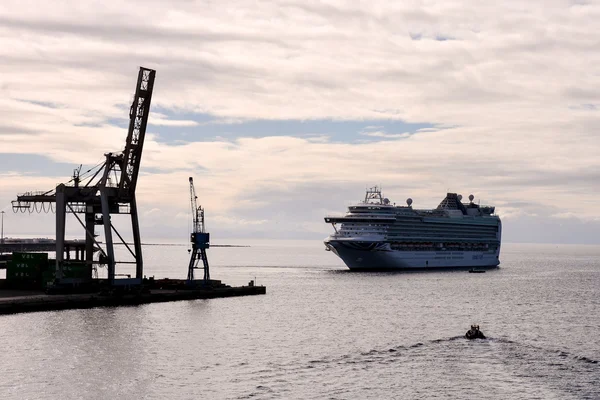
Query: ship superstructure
{"points": [[375, 234]]}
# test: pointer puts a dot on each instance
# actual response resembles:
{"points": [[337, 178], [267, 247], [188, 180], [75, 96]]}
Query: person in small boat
{"points": [[474, 333]]}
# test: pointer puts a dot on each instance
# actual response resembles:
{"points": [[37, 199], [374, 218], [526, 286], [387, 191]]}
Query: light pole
{"points": [[2, 234]]}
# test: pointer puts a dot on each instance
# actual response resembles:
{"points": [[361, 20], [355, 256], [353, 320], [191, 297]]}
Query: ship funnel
{"points": [[409, 201]]}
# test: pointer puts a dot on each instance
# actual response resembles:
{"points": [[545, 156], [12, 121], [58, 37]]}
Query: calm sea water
{"points": [[322, 332]]}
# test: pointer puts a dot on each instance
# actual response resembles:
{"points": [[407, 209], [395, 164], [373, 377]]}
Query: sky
{"points": [[285, 111]]}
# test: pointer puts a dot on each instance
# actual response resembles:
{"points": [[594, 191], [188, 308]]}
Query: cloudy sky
{"points": [[284, 111]]}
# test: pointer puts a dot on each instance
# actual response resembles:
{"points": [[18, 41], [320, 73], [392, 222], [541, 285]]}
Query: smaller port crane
{"points": [[200, 238]]}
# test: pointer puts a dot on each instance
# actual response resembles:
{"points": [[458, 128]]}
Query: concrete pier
{"points": [[16, 301]]}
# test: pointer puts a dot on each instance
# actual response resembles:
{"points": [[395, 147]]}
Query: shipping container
{"points": [[71, 270], [21, 256], [27, 266]]}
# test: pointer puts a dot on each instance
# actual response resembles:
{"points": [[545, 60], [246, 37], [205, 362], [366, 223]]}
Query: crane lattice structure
{"points": [[200, 238], [110, 189]]}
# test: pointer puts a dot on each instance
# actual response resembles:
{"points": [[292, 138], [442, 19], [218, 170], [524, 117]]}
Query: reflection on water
{"points": [[321, 332]]}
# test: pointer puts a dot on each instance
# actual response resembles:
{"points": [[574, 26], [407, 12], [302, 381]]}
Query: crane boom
{"points": [[196, 227], [138, 115]]}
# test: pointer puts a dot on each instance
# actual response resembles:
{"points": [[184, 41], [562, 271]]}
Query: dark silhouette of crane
{"points": [[110, 189], [200, 238]]}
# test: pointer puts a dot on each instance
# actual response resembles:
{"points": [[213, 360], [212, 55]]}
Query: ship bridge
{"points": [[452, 202]]}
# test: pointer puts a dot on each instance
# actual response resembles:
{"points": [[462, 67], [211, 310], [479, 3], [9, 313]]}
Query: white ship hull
{"points": [[376, 235], [379, 256]]}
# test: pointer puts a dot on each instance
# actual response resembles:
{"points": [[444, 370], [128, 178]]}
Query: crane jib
{"points": [[140, 110]]}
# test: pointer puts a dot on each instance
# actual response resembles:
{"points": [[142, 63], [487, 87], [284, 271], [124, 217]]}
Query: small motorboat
{"points": [[474, 333], [476, 271]]}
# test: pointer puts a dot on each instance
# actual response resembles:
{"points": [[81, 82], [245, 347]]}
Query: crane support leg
{"points": [[205, 262], [89, 237], [110, 251], [137, 241], [192, 265], [61, 213]]}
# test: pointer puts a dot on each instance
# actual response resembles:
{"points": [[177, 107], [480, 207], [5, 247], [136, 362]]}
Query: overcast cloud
{"points": [[507, 95]]}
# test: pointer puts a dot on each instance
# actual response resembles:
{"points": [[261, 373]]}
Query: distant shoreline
{"points": [[45, 244], [185, 244]]}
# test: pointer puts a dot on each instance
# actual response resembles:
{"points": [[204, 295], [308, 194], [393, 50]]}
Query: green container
{"points": [[27, 266], [47, 277], [80, 271], [71, 270], [29, 257]]}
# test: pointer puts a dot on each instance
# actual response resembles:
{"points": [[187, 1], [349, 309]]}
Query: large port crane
{"points": [[110, 189], [200, 238]]}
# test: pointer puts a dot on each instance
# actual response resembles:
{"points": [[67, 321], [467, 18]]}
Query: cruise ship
{"points": [[378, 235]]}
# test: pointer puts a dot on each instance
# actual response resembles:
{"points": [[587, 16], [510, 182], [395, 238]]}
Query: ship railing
{"points": [[343, 234], [372, 216]]}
